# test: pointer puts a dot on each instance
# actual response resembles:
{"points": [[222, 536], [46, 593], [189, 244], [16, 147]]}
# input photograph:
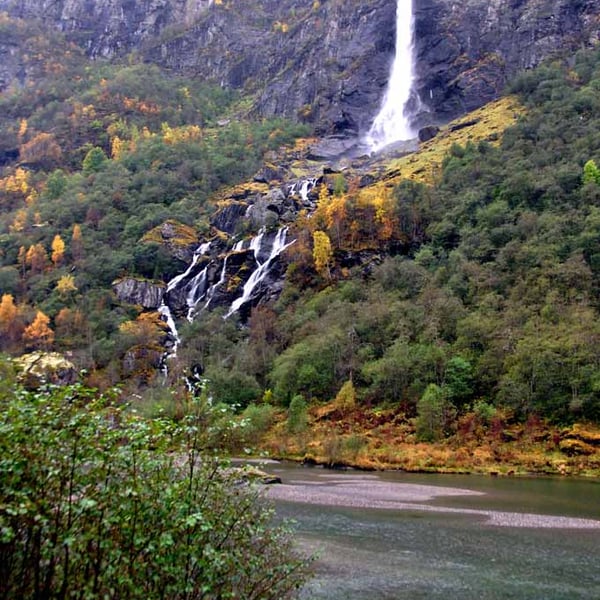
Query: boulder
{"points": [[38, 368], [428, 133]]}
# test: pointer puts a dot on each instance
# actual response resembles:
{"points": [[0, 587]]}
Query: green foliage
{"points": [[458, 380], [232, 387], [591, 173], [94, 161], [106, 505], [297, 421], [258, 418], [433, 414]]}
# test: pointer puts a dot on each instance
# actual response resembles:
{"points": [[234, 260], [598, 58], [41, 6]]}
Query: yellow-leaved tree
{"points": [[58, 250], [36, 258], [322, 253], [11, 325], [39, 334], [65, 286], [76, 243]]}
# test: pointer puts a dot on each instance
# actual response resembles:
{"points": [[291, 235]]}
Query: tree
{"points": [[39, 334], [322, 253], [76, 243], [297, 420], [65, 286], [432, 414], [591, 173], [58, 250], [42, 150], [36, 258], [94, 160], [107, 505], [11, 325], [71, 326]]}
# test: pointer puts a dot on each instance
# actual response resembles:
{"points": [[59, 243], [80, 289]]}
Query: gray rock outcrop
{"points": [[326, 63], [148, 294]]}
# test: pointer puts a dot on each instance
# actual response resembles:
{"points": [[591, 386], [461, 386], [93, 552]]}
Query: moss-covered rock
{"points": [[181, 240], [37, 368]]}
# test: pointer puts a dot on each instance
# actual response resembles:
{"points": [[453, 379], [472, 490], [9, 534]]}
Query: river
{"points": [[398, 536]]}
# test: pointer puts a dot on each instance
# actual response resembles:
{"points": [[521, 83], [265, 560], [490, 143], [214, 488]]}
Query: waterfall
{"points": [[279, 245], [197, 290], [165, 313], [400, 102], [200, 251], [302, 188]]}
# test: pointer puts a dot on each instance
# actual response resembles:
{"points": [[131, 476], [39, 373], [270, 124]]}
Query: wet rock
{"points": [[330, 65], [270, 173], [229, 216], [145, 293], [428, 133], [331, 148], [181, 240]]}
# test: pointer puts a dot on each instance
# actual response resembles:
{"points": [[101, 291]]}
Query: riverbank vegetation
{"points": [[98, 502]]}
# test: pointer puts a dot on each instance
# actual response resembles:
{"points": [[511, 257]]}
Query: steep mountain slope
{"points": [[326, 62], [453, 291]]}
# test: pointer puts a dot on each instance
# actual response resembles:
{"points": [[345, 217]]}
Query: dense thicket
{"points": [[98, 503]]}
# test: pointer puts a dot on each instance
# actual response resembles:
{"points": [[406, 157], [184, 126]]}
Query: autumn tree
{"points": [[70, 326], [22, 260], [76, 243], [65, 286], [58, 250], [39, 334], [11, 325], [42, 150], [36, 258], [322, 253], [19, 222]]}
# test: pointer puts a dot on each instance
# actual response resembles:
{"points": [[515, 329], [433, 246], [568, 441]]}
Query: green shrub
{"points": [[97, 503], [258, 418], [297, 415]]}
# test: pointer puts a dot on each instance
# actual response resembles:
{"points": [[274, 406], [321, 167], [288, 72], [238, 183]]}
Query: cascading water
{"points": [[393, 123], [279, 245]]}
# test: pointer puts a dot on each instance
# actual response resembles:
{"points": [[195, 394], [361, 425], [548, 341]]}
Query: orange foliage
{"points": [[43, 149], [39, 334], [58, 250], [11, 324], [36, 258]]}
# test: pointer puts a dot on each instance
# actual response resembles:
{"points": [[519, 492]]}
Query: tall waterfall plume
{"points": [[392, 124]]}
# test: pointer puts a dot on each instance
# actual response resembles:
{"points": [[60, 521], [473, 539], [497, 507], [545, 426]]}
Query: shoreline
{"points": [[360, 490]]}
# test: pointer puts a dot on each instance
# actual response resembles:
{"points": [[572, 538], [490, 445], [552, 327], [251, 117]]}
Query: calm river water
{"points": [[399, 536]]}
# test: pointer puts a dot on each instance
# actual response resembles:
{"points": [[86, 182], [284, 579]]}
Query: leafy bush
{"points": [[97, 503], [297, 415]]}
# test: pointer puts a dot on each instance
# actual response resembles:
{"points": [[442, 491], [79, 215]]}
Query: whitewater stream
{"points": [[398, 536]]}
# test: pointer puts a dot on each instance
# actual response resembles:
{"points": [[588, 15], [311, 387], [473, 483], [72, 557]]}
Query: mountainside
{"points": [[325, 62], [161, 231]]}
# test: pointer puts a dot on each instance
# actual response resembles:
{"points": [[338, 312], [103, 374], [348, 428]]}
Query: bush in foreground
{"points": [[96, 503]]}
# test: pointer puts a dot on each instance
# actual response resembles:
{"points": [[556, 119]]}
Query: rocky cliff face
{"points": [[467, 51], [328, 62]]}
